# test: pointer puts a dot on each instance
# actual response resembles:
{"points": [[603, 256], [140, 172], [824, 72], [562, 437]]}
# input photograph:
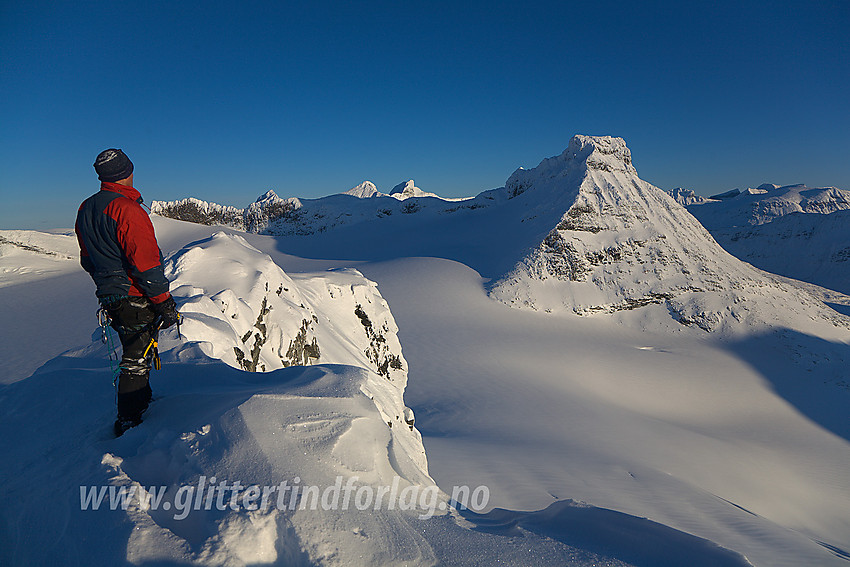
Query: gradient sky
{"points": [[225, 100]]}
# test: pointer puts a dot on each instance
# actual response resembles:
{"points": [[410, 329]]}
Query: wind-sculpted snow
{"points": [[243, 309], [328, 409], [199, 481]]}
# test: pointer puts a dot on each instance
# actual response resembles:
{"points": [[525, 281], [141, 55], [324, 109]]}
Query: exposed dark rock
{"points": [[300, 351], [378, 352]]}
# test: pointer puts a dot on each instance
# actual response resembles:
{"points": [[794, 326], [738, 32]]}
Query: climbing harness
{"points": [[105, 321]]}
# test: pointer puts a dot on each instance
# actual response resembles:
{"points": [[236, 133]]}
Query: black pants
{"points": [[132, 318]]}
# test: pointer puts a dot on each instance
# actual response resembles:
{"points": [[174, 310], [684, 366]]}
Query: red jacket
{"points": [[118, 246]]}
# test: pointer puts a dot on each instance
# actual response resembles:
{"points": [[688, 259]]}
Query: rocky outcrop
{"points": [[267, 209]]}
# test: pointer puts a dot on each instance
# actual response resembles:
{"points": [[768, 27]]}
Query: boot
{"points": [[131, 406], [123, 424]]}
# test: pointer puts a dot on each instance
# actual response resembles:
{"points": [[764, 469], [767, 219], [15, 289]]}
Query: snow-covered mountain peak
{"points": [[408, 189], [686, 197], [269, 195], [623, 244], [365, 190], [601, 153]]}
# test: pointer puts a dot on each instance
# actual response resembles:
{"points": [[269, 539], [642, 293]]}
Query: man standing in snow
{"points": [[118, 248]]}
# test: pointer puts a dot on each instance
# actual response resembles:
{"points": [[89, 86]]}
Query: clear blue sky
{"points": [[224, 100]]}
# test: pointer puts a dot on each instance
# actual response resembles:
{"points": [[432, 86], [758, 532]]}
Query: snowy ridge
{"points": [[624, 244], [793, 231], [767, 202], [254, 218], [271, 214], [580, 233], [251, 315], [329, 406]]}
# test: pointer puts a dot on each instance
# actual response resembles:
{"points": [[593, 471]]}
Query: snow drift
{"points": [[341, 417]]}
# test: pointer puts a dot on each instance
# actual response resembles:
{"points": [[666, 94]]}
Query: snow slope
{"points": [[29, 255], [39, 273], [812, 247], [621, 436], [308, 425], [743, 442]]}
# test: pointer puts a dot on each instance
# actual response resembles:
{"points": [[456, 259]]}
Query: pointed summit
{"points": [[407, 189], [365, 190], [601, 153], [623, 244], [269, 195]]}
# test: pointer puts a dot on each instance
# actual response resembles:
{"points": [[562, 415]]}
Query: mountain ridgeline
{"points": [[795, 231], [580, 233]]}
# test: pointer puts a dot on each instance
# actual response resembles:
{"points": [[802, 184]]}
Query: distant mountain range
{"points": [[580, 233], [271, 214], [795, 231]]}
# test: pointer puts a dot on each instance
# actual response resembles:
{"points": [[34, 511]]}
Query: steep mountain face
{"points": [[624, 244]]}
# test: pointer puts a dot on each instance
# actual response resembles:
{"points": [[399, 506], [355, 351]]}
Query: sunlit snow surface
{"points": [[604, 438]]}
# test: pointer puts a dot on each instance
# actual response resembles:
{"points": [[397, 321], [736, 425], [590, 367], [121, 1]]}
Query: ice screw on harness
{"points": [[104, 321], [157, 364]]}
